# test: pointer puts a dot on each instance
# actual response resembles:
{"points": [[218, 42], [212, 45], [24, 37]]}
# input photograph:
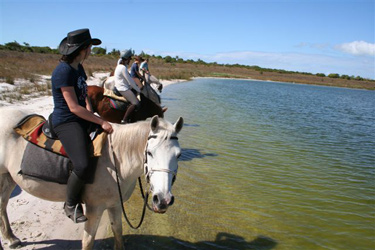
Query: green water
{"points": [[267, 166]]}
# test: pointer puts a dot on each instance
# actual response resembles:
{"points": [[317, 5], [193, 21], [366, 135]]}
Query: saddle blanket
{"points": [[48, 166], [116, 104], [45, 165], [45, 158], [30, 128]]}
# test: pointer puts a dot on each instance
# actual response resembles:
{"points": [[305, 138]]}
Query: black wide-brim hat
{"points": [[75, 40]]}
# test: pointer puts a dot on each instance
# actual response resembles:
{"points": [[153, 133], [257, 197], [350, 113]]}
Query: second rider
{"points": [[124, 83]]}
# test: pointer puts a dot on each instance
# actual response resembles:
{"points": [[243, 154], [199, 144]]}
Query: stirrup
{"points": [[73, 214]]}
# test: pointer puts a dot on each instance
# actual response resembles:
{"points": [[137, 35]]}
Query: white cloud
{"points": [[357, 48]]}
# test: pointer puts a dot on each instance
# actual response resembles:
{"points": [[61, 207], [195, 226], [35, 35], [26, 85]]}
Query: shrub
{"points": [[334, 75], [9, 80], [345, 77], [168, 59], [99, 51]]}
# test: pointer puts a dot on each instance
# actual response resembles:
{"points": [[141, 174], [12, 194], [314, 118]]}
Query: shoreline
{"points": [[259, 80]]}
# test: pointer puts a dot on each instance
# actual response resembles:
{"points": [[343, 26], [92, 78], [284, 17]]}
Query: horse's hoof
{"points": [[15, 243]]}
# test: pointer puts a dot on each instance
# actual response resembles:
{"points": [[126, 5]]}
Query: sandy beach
{"points": [[42, 224]]}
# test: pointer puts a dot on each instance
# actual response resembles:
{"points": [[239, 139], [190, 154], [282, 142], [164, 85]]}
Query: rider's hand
{"points": [[107, 127]]}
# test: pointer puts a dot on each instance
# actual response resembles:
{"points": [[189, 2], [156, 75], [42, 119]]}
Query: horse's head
{"points": [[162, 153]]}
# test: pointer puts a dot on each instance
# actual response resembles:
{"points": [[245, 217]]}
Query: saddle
{"points": [[116, 100], [35, 129], [51, 164]]}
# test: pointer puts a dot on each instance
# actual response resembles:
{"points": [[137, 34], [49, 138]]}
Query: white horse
{"points": [[154, 82], [147, 147], [151, 89]]}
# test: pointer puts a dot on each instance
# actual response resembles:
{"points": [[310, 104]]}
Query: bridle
{"points": [[147, 172]]}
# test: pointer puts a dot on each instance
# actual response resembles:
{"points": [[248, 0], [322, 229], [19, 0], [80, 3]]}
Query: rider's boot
{"points": [[73, 207], [128, 113]]}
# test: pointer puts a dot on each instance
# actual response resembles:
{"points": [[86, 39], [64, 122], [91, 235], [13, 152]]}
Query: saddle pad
{"points": [[45, 165], [30, 128], [116, 104]]}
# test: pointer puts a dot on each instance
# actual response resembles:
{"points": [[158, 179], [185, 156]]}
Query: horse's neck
{"points": [[129, 147], [150, 108]]}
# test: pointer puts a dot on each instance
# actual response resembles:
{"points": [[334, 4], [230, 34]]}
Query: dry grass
{"points": [[28, 65]]}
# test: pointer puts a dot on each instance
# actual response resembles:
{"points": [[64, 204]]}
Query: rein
{"points": [[120, 194]]}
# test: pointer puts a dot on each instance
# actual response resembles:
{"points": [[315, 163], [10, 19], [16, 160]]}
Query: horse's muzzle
{"points": [[161, 203]]}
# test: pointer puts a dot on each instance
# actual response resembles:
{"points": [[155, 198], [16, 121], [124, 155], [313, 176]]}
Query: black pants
{"points": [[75, 139]]}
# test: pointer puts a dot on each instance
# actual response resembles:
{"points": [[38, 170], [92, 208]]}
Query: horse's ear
{"points": [[154, 123], [179, 124]]}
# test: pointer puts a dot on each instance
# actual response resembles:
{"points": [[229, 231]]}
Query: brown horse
{"points": [[101, 105]]}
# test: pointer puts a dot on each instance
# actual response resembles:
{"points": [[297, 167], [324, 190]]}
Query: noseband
{"points": [[149, 171]]}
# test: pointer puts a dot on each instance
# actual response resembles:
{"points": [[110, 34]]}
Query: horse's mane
{"points": [[130, 138], [133, 137]]}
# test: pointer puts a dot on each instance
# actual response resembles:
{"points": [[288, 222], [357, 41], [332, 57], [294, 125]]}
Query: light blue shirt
{"points": [[144, 66]]}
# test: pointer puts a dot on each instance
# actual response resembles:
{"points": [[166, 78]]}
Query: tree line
{"points": [[99, 51]]}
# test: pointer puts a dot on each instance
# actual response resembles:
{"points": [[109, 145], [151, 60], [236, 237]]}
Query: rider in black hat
{"points": [[72, 114]]}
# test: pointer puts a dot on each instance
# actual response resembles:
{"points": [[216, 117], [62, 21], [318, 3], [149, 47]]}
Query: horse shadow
{"points": [[188, 154], [223, 241]]}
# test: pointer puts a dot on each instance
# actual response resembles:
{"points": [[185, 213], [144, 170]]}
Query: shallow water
{"points": [[267, 166]]}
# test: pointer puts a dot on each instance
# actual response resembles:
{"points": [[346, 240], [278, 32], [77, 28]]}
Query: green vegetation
{"points": [[15, 46], [25, 61]]}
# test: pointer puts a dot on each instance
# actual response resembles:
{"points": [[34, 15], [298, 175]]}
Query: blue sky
{"points": [[317, 36]]}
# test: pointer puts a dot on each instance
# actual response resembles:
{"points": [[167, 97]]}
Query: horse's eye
{"points": [[179, 155], [149, 153]]}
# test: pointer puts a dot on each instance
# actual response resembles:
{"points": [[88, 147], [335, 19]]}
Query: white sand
{"points": [[41, 224]]}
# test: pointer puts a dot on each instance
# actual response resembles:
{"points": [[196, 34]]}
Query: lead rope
{"points": [[119, 190]]}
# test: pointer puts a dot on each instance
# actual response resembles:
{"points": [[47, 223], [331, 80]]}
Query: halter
{"points": [[148, 172]]}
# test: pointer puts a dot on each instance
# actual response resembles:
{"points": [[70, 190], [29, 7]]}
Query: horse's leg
{"points": [[114, 214], [91, 226], [6, 187]]}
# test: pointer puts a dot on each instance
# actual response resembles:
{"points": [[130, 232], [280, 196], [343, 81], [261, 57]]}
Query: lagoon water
{"points": [[267, 165]]}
